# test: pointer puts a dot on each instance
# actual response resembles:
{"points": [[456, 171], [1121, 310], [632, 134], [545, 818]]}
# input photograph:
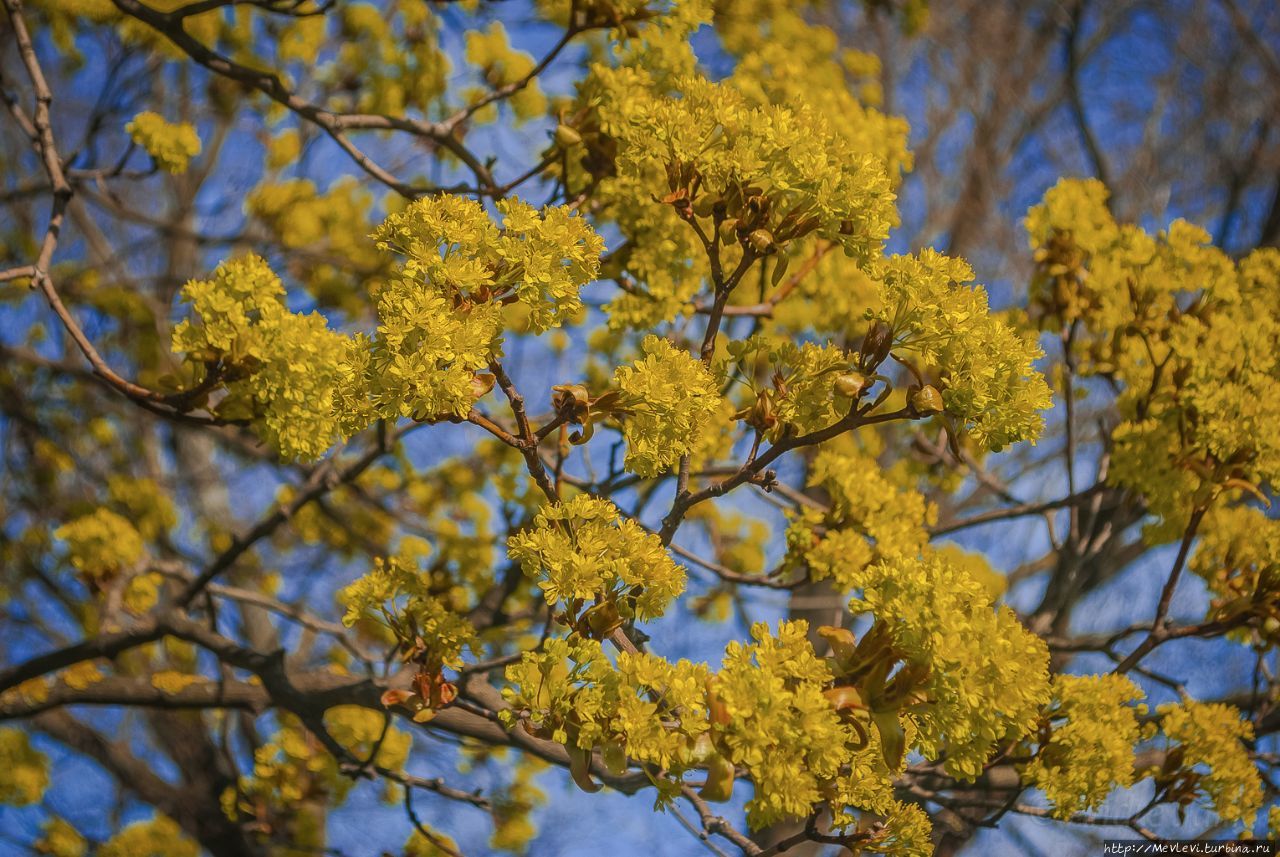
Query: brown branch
{"points": [[1020, 511], [332, 123], [1159, 632], [323, 479], [714, 824], [139, 693]]}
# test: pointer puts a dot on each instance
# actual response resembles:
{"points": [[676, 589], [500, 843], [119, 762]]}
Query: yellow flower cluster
{"points": [[26, 769], [292, 769], [398, 595], [750, 155], [777, 723], [871, 517], [646, 709], [1238, 555], [171, 145], [671, 399], [1094, 728], [582, 551], [58, 838], [435, 845], [513, 829], [984, 367], [1189, 337], [983, 677], [769, 710], [101, 544], [159, 837], [330, 227], [281, 369], [784, 59], [807, 396], [393, 49], [807, 178], [1209, 736], [680, 691], [832, 299], [147, 506], [440, 318], [539, 258], [491, 52]]}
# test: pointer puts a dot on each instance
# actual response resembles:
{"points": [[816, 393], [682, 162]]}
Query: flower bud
{"points": [[876, 344], [850, 384], [927, 400], [567, 136], [759, 415], [761, 240]]}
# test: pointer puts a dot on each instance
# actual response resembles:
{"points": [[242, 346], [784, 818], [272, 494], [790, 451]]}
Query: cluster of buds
{"points": [[762, 414], [877, 342], [431, 691], [597, 622], [740, 214], [925, 401]]}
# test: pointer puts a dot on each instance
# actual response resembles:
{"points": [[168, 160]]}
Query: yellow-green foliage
{"points": [[292, 770], [148, 508], [281, 369], [748, 203], [501, 66], [803, 396], [780, 726], [767, 710], [802, 167], [400, 596], [101, 544], [1090, 748], [26, 769], [583, 551], [1238, 555], [440, 318], [1189, 336], [171, 145], [985, 675], [870, 518], [671, 398], [1208, 739], [982, 365], [159, 837]]}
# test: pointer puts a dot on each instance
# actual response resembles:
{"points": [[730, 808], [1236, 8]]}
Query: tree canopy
{"points": [[430, 425]]}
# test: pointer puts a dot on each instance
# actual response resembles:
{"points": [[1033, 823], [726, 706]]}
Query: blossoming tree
{"points": [[383, 402]]}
